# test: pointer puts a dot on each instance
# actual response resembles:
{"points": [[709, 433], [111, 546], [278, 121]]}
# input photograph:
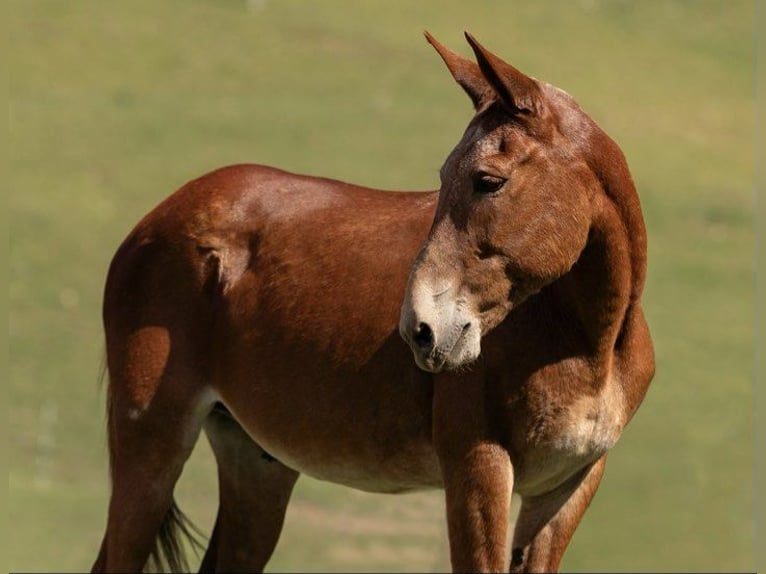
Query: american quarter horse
{"points": [[269, 309]]}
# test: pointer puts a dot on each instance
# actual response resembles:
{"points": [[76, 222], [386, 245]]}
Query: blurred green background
{"points": [[113, 105]]}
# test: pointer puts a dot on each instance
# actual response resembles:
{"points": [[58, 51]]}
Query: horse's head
{"points": [[514, 211]]}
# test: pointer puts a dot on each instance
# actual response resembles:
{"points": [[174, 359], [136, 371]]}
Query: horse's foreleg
{"points": [[477, 475], [547, 522], [254, 492], [478, 490]]}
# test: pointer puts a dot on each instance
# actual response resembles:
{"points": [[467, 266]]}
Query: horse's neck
{"points": [[604, 287], [597, 292]]}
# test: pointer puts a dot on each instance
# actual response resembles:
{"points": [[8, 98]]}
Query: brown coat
{"points": [[267, 308]]}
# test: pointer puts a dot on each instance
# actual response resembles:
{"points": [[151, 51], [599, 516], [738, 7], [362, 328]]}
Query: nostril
{"points": [[424, 337]]}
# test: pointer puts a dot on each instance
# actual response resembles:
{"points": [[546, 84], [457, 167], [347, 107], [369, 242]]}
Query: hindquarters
{"points": [[157, 323], [243, 270], [159, 357]]}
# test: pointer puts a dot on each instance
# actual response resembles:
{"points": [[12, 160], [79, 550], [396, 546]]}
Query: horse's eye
{"points": [[485, 183]]}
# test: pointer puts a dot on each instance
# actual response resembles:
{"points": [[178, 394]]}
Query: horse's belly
{"points": [[370, 432], [415, 467], [360, 464]]}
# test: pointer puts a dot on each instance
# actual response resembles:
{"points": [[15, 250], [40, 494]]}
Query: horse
{"points": [[485, 339]]}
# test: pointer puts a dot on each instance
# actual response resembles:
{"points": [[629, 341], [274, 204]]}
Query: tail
{"points": [[169, 549]]}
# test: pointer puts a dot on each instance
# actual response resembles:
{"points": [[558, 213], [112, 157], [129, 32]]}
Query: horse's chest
{"points": [[557, 442]]}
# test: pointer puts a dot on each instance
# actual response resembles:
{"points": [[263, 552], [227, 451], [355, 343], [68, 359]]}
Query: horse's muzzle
{"points": [[440, 344]]}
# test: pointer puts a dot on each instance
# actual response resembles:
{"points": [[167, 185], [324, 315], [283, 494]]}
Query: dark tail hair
{"points": [[168, 552]]}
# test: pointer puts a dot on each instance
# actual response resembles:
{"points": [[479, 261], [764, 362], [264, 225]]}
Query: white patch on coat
{"points": [[595, 423], [587, 429]]}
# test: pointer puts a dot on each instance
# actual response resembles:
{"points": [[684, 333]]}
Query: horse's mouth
{"points": [[460, 352]]}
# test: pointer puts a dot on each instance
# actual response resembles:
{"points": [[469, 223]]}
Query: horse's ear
{"points": [[465, 72], [517, 90]]}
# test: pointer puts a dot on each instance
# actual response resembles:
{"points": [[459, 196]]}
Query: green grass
{"points": [[114, 105]]}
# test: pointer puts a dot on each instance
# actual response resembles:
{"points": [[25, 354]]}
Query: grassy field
{"points": [[114, 105]]}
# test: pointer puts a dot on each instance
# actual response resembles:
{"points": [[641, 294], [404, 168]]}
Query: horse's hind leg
{"points": [[156, 323], [149, 446], [254, 492]]}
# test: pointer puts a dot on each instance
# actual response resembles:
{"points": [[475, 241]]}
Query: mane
{"points": [[608, 163], [610, 166]]}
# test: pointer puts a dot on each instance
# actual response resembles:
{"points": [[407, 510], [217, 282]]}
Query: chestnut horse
{"points": [[266, 308]]}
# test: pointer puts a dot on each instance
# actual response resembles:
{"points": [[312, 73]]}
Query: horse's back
{"points": [[240, 217], [254, 239]]}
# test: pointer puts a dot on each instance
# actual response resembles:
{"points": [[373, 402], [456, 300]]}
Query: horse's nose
{"points": [[424, 337]]}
